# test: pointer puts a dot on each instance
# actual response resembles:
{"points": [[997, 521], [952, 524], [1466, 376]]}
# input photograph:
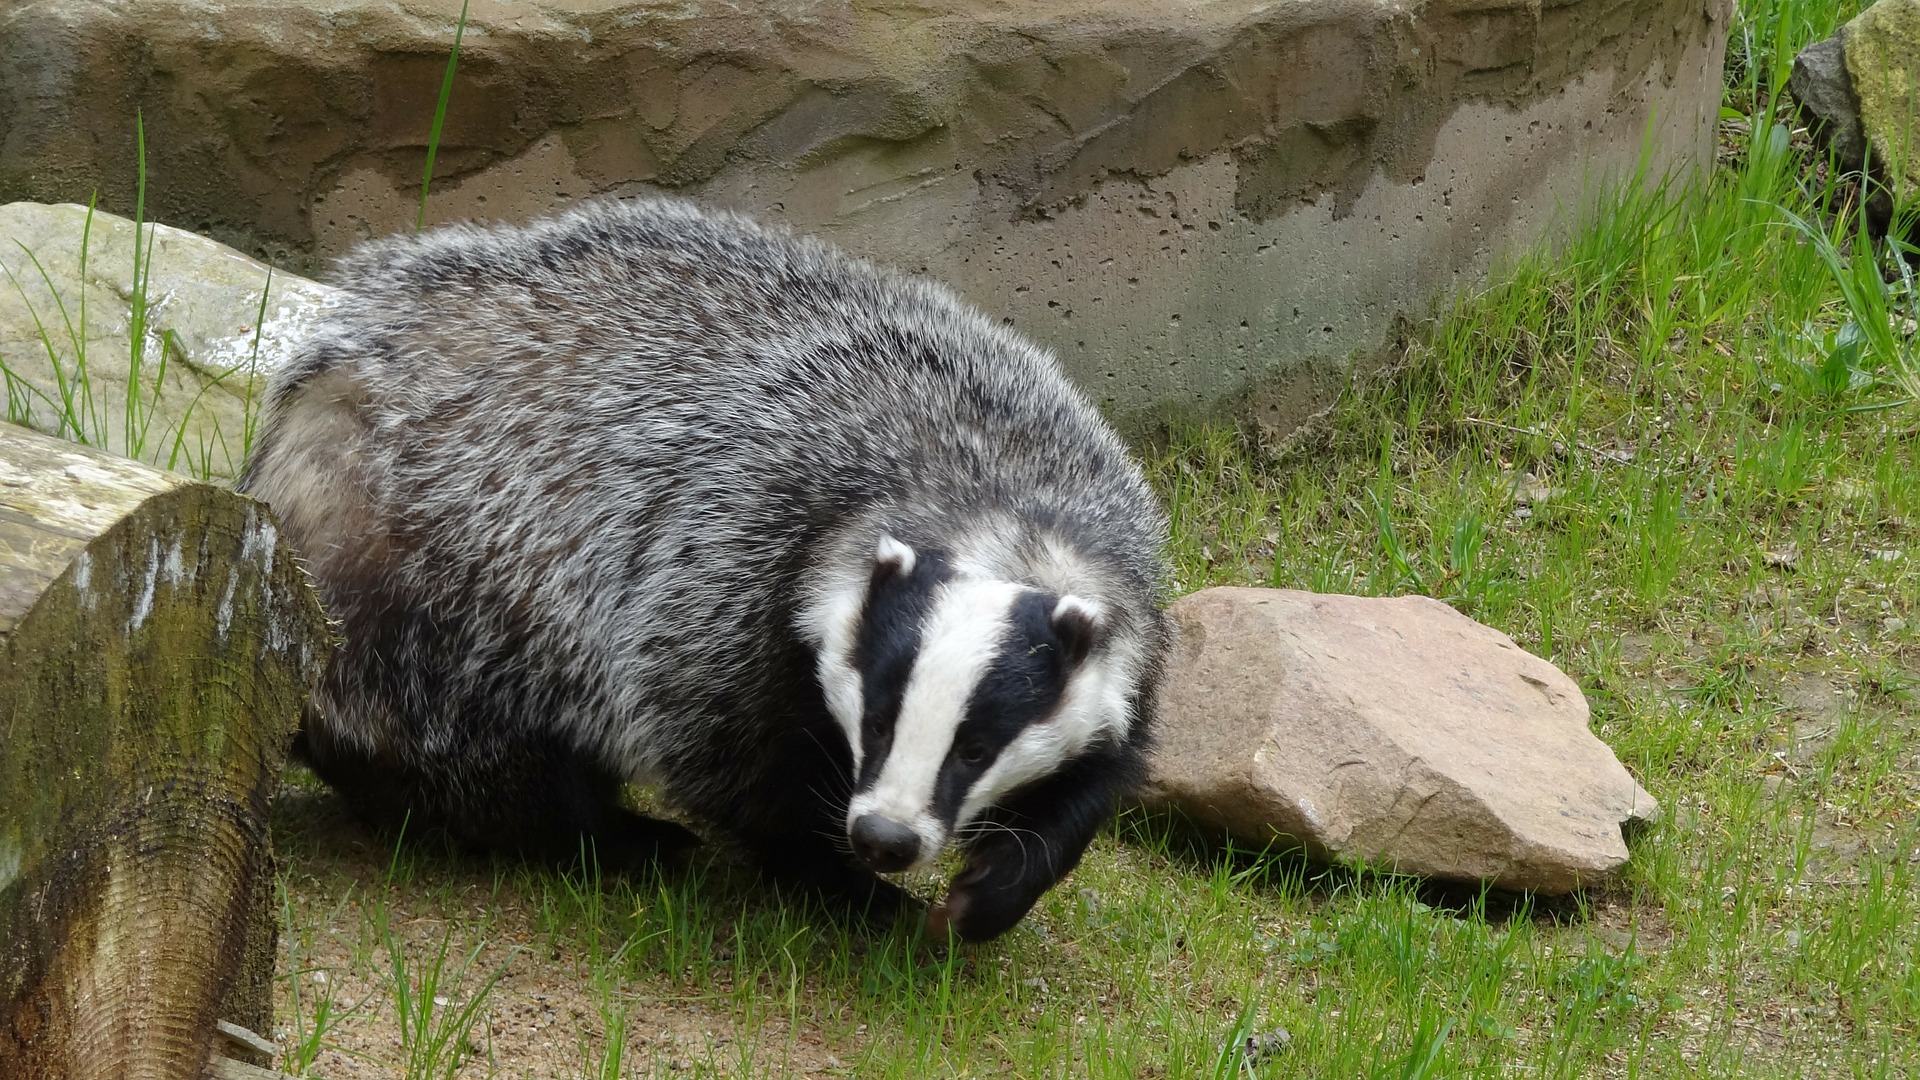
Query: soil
{"points": [[544, 1015]]}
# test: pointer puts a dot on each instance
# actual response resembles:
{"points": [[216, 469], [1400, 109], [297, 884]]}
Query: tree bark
{"points": [[156, 644]]}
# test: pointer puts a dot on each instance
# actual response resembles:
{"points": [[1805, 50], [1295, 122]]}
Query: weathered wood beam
{"points": [[156, 643]]}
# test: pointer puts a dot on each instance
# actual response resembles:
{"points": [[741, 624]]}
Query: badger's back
{"points": [[584, 467]]}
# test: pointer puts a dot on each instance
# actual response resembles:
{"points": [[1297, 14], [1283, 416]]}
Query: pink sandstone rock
{"points": [[1394, 732]]}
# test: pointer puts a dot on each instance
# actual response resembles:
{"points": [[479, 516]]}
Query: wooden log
{"points": [[156, 644]]}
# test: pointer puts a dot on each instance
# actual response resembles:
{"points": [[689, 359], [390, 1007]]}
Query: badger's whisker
{"points": [[986, 826], [837, 840]]}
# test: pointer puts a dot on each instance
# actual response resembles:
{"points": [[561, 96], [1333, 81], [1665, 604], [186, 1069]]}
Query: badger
{"points": [[650, 493]]}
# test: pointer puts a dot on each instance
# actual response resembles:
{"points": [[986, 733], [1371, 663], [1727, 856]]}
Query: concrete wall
{"points": [[1205, 206]]}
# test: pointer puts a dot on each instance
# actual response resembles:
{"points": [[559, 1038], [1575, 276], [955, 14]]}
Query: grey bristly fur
{"points": [[569, 488]]}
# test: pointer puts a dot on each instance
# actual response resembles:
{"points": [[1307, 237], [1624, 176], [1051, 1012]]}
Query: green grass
{"points": [[313, 1004], [1677, 456], [440, 116]]}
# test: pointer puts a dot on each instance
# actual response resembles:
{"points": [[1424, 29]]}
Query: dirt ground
{"points": [[544, 1015]]}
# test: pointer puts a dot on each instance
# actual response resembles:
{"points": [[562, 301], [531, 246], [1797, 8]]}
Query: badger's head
{"points": [[956, 689]]}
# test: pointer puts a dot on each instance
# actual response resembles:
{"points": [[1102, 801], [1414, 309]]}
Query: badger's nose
{"points": [[884, 844]]}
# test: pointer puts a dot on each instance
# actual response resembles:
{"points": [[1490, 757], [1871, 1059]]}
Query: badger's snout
{"points": [[885, 845]]}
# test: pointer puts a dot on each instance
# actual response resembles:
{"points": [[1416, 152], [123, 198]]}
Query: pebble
{"points": [[1264, 1047]]}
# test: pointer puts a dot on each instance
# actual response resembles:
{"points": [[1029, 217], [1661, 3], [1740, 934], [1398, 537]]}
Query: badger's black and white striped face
{"points": [[955, 691]]}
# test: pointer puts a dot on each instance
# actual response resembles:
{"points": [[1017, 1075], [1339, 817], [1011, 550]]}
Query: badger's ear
{"points": [[891, 558], [1079, 623]]}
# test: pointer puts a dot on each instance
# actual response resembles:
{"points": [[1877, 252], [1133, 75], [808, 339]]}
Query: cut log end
{"points": [[156, 644]]}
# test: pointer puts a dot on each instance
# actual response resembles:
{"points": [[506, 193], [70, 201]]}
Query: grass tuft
{"points": [[440, 116]]}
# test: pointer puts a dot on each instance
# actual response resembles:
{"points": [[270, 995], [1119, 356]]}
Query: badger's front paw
{"points": [[986, 899], [1040, 837]]}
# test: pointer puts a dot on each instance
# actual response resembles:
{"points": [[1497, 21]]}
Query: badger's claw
{"points": [[945, 918], [992, 893], [939, 924], [1047, 828]]}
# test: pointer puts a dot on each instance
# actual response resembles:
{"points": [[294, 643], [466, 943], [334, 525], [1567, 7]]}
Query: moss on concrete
{"points": [[1883, 57]]}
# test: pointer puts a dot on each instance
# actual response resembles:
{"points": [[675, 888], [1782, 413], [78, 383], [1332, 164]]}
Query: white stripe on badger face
{"points": [[958, 642], [831, 623]]}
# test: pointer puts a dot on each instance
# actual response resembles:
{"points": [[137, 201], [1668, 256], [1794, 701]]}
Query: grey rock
{"points": [[1394, 732], [204, 354], [1824, 89]]}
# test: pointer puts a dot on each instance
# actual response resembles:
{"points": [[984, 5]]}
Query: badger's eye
{"points": [[971, 752], [873, 728]]}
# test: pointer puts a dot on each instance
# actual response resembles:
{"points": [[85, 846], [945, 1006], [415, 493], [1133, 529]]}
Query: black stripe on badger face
{"points": [[898, 600], [1021, 687]]}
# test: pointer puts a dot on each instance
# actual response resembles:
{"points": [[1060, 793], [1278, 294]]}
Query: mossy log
{"points": [[156, 643]]}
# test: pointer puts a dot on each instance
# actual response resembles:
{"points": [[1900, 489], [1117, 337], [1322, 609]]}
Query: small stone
{"points": [[1257, 1050], [1394, 732], [1785, 557], [1528, 489], [1884, 554], [1892, 624]]}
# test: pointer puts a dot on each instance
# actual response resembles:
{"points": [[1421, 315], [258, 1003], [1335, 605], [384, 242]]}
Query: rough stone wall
{"points": [[1203, 205]]}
